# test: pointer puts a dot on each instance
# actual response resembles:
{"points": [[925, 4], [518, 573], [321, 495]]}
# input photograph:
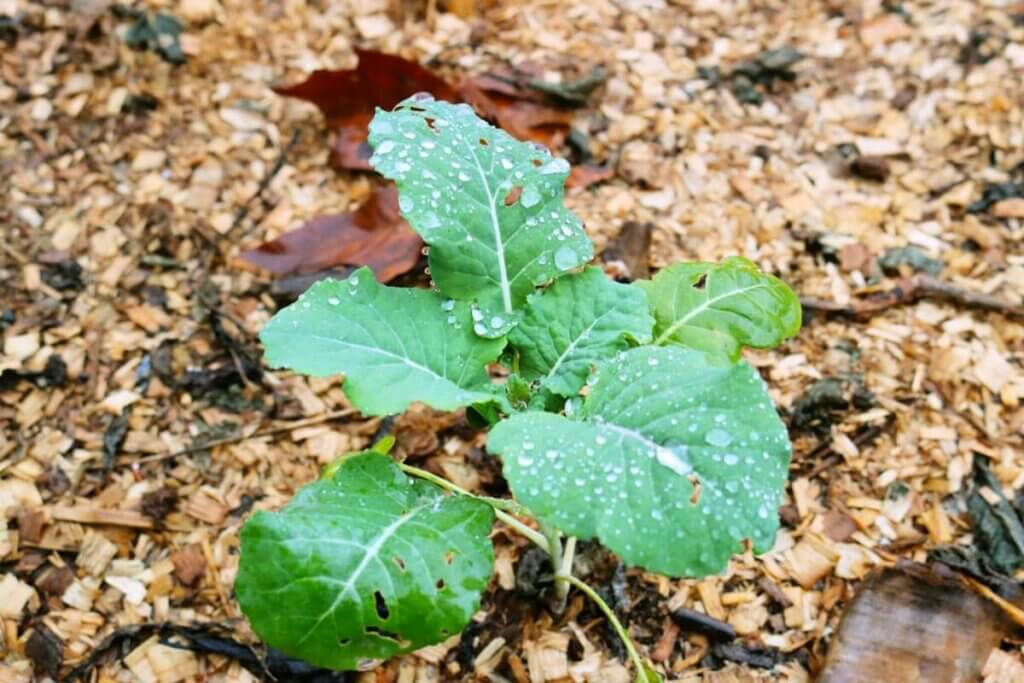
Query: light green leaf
{"points": [[720, 308], [365, 565], [394, 345], [648, 675], [579, 320], [657, 422], [489, 206]]}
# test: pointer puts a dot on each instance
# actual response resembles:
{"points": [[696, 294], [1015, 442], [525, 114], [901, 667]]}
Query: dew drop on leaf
{"points": [[429, 220], [405, 203], [718, 437], [530, 197], [333, 300], [565, 258], [555, 166]]}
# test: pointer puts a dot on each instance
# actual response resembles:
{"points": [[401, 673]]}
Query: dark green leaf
{"points": [[578, 321], [656, 423], [489, 206], [394, 345], [367, 564]]}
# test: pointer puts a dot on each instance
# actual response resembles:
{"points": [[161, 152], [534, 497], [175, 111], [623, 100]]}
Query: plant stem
{"points": [[614, 621], [549, 541], [503, 509], [554, 538], [567, 558]]}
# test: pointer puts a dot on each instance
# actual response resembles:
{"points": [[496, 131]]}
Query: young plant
{"points": [[625, 413]]}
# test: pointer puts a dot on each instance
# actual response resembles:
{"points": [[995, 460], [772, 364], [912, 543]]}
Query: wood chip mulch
{"points": [[138, 428]]}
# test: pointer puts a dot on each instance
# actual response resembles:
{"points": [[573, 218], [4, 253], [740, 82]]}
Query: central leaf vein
{"points": [[671, 329]]}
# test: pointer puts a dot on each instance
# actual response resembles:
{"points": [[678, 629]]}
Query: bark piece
{"points": [[913, 627]]}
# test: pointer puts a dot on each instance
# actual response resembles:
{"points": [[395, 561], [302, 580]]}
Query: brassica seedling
{"points": [[625, 413]]}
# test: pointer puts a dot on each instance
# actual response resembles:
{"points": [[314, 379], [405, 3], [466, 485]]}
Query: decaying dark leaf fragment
{"points": [[373, 235], [348, 98]]}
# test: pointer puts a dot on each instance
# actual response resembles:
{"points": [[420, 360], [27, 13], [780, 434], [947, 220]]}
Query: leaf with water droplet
{"points": [[580, 320], [720, 308], [364, 564], [499, 227], [394, 345], [678, 503]]}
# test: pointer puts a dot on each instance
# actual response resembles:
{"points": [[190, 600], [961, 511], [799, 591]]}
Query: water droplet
{"points": [[565, 258], [427, 144], [731, 459], [429, 220], [405, 203], [402, 167], [718, 437], [480, 329], [524, 461], [463, 177], [530, 197], [551, 454], [497, 321], [477, 314], [384, 147], [448, 304], [600, 440], [506, 164], [527, 445], [555, 166], [422, 97], [652, 361], [334, 301]]}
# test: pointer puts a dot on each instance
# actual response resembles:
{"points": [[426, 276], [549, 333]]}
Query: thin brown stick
{"points": [[910, 290], [271, 431]]}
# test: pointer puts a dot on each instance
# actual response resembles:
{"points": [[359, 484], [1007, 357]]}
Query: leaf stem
{"points": [[503, 509], [549, 540], [554, 539], [641, 674]]}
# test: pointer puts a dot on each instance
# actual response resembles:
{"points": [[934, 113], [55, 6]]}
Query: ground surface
{"points": [[129, 185]]}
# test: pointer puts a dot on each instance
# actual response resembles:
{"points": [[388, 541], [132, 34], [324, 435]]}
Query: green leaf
{"points": [[577, 321], [394, 345], [365, 565], [489, 206], [648, 675], [656, 422], [720, 308]]}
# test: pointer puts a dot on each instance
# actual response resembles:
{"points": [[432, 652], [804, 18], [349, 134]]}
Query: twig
{"points": [[271, 431], [243, 210], [910, 290], [862, 437]]}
